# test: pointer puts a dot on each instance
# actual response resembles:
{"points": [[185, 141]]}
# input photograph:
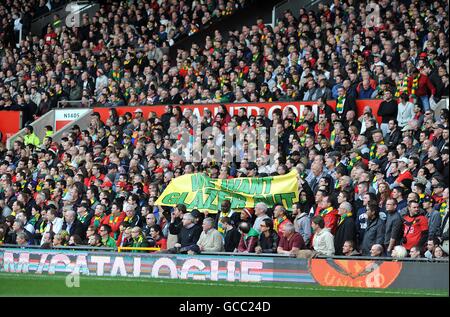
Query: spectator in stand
{"points": [[106, 240], [249, 238], [210, 239], [375, 231], [157, 238], [348, 249], [376, 250], [394, 226], [232, 235], [301, 222], [405, 111], [323, 240], [133, 68], [188, 235], [268, 239], [346, 228], [291, 242], [415, 227]]}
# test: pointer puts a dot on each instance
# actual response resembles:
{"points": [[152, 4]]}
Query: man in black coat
{"points": [[189, 233], [374, 233], [346, 227], [348, 102], [72, 225], [387, 111], [394, 136]]}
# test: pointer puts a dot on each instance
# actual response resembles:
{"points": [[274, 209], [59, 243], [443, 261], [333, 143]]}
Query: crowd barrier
{"points": [[362, 273]]}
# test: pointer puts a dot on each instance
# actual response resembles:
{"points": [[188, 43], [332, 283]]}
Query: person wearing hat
{"points": [[404, 173], [139, 114], [247, 215]]}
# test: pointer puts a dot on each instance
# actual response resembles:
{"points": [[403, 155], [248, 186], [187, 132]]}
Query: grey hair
{"points": [[400, 252], [263, 206], [209, 221], [347, 206], [71, 211], [189, 216], [22, 235], [289, 227]]}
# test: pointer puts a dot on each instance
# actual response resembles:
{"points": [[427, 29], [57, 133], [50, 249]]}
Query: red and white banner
{"points": [[252, 108]]}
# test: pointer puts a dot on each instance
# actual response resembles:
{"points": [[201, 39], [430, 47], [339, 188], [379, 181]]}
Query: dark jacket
{"points": [[374, 234], [394, 228], [393, 138], [270, 244], [345, 231], [76, 228], [175, 226], [388, 110], [189, 236], [232, 238], [349, 104]]}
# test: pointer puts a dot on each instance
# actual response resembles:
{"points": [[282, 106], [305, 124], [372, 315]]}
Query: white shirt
{"points": [[57, 225], [323, 242], [405, 113]]}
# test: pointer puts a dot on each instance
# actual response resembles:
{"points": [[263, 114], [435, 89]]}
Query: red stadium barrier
{"points": [[10, 123], [252, 108]]}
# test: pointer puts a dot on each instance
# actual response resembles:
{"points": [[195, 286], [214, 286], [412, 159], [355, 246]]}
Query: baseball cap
{"points": [[138, 110], [404, 160]]}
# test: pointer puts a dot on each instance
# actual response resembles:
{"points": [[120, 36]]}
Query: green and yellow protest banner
{"points": [[198, 191]]}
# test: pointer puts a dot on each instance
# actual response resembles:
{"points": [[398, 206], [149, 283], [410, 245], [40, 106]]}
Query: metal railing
{"points": [[120, 249], [232, 254], [42, 21], [67, 248], [62, 103]]}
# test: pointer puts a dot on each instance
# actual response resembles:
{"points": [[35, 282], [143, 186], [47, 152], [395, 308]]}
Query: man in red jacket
{"points": [[420, 87], [415, 227], [329, 214]]}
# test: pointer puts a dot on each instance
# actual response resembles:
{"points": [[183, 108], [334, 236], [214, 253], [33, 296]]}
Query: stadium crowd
{"points": [[366, 187]]}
